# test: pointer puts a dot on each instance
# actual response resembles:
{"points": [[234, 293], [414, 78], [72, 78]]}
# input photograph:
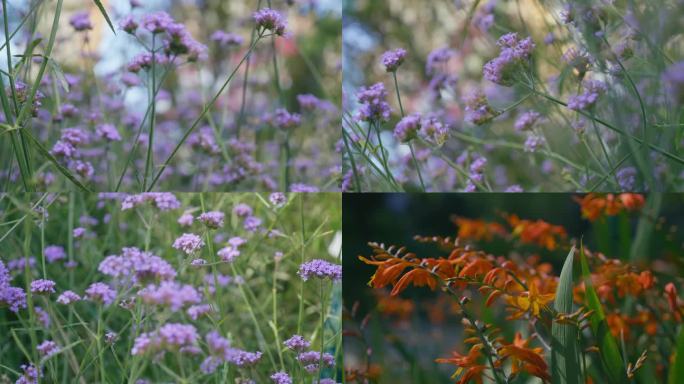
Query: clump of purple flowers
{"points": [[100, 292], [164, 201], [374, 106], [513, 57], [527, 120], [587, 99], [188, 243], [48, 348], [68, 297], [13, 297], [297, 343], [477, 109], [407, 128], [42, 286], [136, 265], [281, 378], [270, 20], [171, 336], [393, 59], [81, 21], [170, 294], [311, 359], [320, 269], [54, 253], [212, 219]]}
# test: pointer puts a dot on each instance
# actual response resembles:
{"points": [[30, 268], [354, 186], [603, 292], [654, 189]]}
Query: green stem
{"points": [[401, 108], [153, 102]]}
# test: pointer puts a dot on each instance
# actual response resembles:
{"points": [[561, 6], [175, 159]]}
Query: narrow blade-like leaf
{"points": [[608, 347], [104, 13], [565, 358]]}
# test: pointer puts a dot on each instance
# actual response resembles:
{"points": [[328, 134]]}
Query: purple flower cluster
{"points": [[81, 21], [587, 99], [220, 351], [170, 294], [534, 142], [477, 109], [436, 58], [513, 57], [42, 286], [270, 20], [13, 297], [281, 378], [164, 201], [373, 105], [477, 168], [407, 128], [48, 348], [226, 39], [320, 269], [393, 59], [197, 311], [311, 359], [101, 293], [68, 297], [285, 120], [527, 120], [31, 374], [186, 219], [297, 343], [434, 131], [108, 132], [277, 199], [212, 219], [136, 265], [170, 336], [54, 253], [188, 243]]}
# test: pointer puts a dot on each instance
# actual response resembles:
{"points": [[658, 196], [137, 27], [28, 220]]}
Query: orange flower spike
{"points": [[468, 365], [525, 359], [479, 266], [646, 279], [632, 201], [532, 300], [388, 271], [671, 296], [419, 277], [592, 206]]}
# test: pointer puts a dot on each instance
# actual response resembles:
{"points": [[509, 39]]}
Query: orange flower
{"points": [[477, 229], [525, 359], [537, 232], [632, 201], [419, 277], [594, 206], [395, 306], [388, 270], [468, 366], [531, 301]]}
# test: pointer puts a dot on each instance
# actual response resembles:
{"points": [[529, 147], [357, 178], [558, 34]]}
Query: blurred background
{"points": [[406, 333]]}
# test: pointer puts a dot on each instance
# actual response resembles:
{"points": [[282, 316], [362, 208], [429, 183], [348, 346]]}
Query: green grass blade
{"points": [[565, 361], [608, 347], [62, 169], [677, 370], [104, 13]]}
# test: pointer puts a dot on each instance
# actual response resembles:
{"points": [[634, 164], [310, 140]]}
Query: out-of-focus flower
{"points": [[512, 59], [100, 292], [393, 59], [212, 219], [81, 21], [189, 243], [270, 20], [407, 128], [48, 348], [374, 106], [68, 297], [42, 286]]}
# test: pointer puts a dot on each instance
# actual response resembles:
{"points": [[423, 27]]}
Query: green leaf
{"points": [[104, 13], [565, 358], [608, 347], [43, 151], [677, 369]]}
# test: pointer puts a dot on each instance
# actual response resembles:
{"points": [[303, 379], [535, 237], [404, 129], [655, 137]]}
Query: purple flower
{"points": [[164, 201], [171, 336], [68, 297], [170, 294], [54, 253], [271, 20], [281, 378], [108, 132], [297, 343], [627, 178], [228, 253], [100, 292], [299, 187], [592, 90], [226, 39], [48, 348], [212, 219], [393, 59], [527, 120], [373, 105], [534, 142], [14, 298], [433, 130], [43, 317], [81, 21], [30, 376], [252, 223], [311, 359], [137, 265], [242, 210], [407, 128], [196, 311], [128, 24], [320, 269], [78, 232], [242, 358], [277, 199], [438, 57], [188, 243], [514, 189], [513, 57], [577, 59], [157, 22], [42, 286], [286, 120], [308, 101], [186, 219], [477, 110]]}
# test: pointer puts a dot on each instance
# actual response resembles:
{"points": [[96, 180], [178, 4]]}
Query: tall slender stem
{"points": [[401, 108], [153, 102]]}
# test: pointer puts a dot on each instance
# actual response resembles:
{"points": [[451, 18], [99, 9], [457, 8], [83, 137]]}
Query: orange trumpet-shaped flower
{"points": [[418, 277], [388, 270], [478, 229], [531, 301], [537, 232], [525, 359], [671, 295], [469, 369]]}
